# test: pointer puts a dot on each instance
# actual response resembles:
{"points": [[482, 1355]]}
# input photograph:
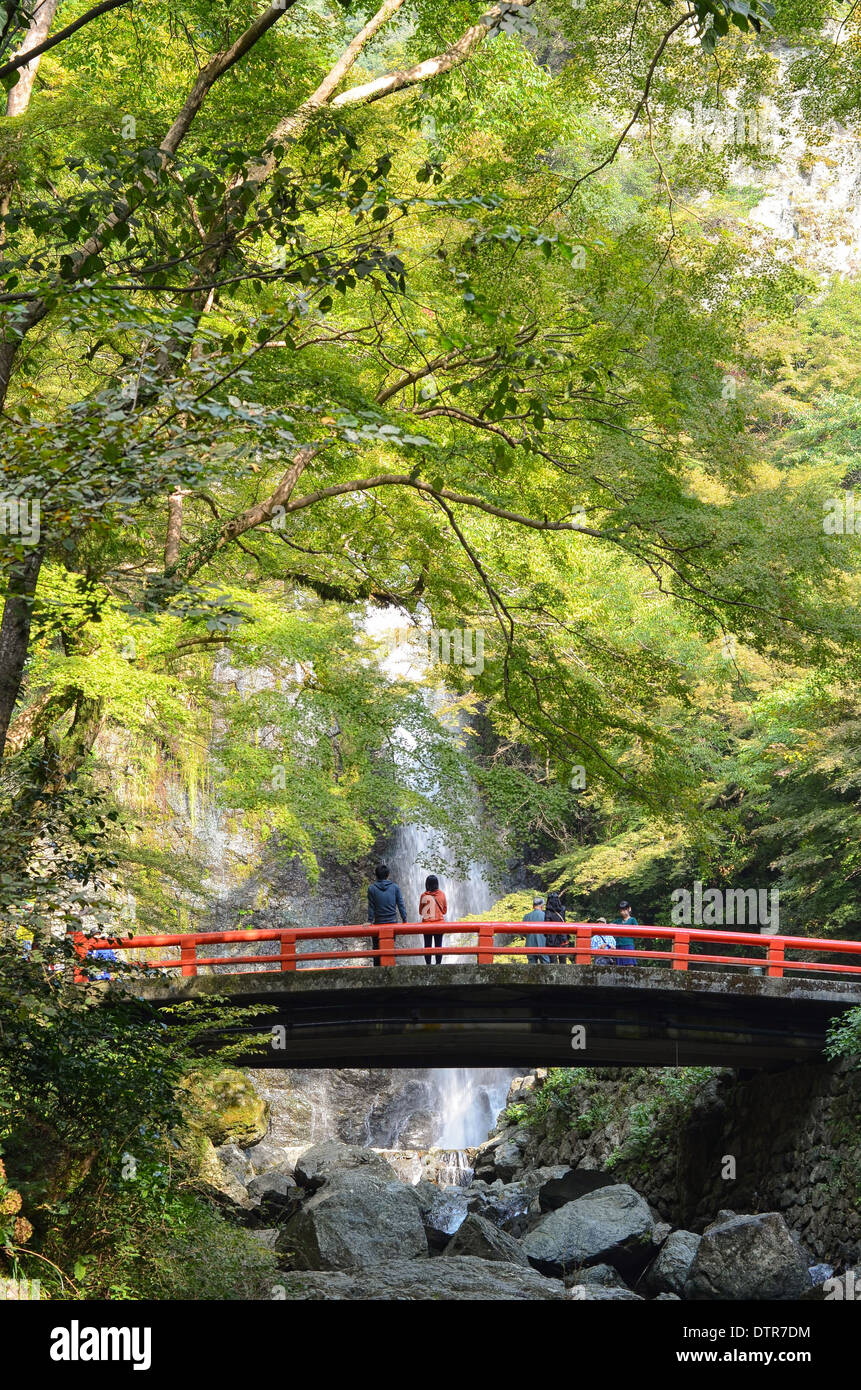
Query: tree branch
{"points": [[206, 79], [26, 57], [451, 57]]}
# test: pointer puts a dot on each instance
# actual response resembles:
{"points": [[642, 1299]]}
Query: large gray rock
{"points": [[461, 1277], [558, 1186], [267, 1155], [507, 1159], [671, 1266], [612, 1225], [275, 1193], [748, 1257], [605, 1275], [220, 1181], [604, 1293], [321, 1161], [231, 1157], [356, 1220], [506, 1205], [502, 1155], [443, 1210], [478, 1236]]}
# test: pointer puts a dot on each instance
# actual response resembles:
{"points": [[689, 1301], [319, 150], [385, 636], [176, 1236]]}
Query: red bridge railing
{"points": [[378, 944]]}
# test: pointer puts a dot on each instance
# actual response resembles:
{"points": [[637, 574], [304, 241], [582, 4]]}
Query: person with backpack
{"points": [[385, 901], [432, 908], [555, 912]]}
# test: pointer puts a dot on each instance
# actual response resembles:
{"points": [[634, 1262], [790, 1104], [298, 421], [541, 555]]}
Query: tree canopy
{"points": [[444, 309]]}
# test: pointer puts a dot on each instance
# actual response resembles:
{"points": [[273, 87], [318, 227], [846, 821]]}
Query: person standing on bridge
{"points": [[432, 908], [625, 943], [385, 901], [536, 940], [602, 941], [555, 912]]}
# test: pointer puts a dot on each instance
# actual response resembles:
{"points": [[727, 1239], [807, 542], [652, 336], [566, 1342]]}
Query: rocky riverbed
{"points": [[352, 1222]]}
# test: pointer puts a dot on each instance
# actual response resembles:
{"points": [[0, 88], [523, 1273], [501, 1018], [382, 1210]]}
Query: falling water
{"points": [[469, 1102], [415, 851]]}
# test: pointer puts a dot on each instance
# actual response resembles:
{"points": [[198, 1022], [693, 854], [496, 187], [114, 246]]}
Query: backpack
{"points": [[429, 909]]}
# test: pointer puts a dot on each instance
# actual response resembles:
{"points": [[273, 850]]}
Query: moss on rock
{"points": [[227, 1109]]}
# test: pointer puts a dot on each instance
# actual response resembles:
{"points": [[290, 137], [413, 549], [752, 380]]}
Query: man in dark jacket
{"points": [[385, 901]]}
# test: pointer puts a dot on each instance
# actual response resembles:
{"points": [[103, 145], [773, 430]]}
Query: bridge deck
{"points": [[523, 1015]]}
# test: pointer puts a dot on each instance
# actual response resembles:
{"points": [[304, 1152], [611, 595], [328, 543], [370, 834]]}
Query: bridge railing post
{"points": [[681, 947], [485, 945], [81, 952], [288, 950], [776, 957], [583, 945], [387, 946], [188, 956]]}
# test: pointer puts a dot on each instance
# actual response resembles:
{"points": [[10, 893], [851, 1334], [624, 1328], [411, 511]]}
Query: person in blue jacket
{"points": [[385, 901]]}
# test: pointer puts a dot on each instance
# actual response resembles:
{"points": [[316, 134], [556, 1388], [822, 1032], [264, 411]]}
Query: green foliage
{"points": [[573, 1098], [844, 1036], [142, 1238], [457, 353]]}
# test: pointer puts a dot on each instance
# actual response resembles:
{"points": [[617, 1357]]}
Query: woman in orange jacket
{"points": [[432, 908]]}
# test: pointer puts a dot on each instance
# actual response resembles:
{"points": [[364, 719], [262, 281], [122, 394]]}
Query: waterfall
{"points": [[414, 851], [469, 1102], [448, 1109]]}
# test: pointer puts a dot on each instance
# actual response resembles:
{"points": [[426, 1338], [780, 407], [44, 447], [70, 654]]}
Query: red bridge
{"points": [[379, 943], [682, 996]]}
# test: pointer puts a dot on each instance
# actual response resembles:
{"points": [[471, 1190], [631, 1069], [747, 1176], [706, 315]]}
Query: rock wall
{"points": [[358, 1105], [787, 1141]]}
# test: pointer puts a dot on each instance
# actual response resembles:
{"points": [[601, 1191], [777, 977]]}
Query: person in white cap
{"points": [[536, 940]]}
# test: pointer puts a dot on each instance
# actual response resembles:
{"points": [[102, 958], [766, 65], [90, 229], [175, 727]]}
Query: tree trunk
{"points": [[15, 634], [18, 98], [174, 529]]}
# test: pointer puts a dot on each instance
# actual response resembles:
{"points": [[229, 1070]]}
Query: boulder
{"points": [[357, 1219], [501, 1156], [231, 1157], [275, 1193], [604, 1293], [264, 1155], [507, 1159], [671, 1266], [522, 1089], [506, 1205], [460, 1277], [478, 1236], [748, 1258], [443, 1210], [268, 1155], [229, 1108], [317, 1164], [561, 1185], [612, 1225], [606, 1275]]}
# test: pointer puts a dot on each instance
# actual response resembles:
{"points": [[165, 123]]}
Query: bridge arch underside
{"points": [[523, 1015]]}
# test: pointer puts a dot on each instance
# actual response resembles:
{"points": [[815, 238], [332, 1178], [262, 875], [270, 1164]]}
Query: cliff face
{"points": [[358, 1105], [697, 1142]]}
